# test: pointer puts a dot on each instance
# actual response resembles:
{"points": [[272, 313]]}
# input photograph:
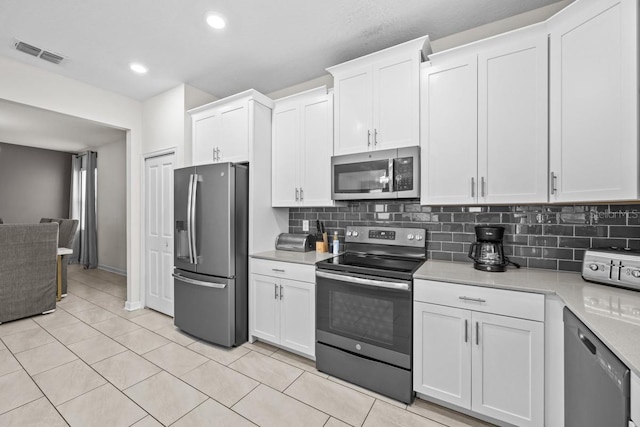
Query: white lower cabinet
{"points": [[491, 364], [282, 309]]}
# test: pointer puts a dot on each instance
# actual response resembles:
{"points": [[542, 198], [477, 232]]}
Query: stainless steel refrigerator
{"points": [[211, 252]]}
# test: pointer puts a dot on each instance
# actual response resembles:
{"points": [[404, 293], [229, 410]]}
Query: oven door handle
{"points": [[362, 281]]}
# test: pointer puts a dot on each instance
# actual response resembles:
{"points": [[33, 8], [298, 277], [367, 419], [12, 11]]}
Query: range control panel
{"points": [[396, 236], [382, 234], [612, 266]]}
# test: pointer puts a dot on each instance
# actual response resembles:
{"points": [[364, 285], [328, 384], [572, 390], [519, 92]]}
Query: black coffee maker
{"points": [[488, 253]]}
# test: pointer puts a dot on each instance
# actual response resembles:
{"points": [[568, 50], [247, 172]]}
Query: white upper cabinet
{"points": [[285, 148], [377, 99], [302, 149], [450, 129], [513, 118], [396, 102], [353, 112], [484, 121], [221, 130], [594, 101]]}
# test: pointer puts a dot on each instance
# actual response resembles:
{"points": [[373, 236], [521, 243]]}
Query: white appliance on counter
{"points": [[612, 266]]}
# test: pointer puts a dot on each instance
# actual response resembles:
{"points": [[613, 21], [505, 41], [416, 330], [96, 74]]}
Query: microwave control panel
{"points": [[404, 174]]}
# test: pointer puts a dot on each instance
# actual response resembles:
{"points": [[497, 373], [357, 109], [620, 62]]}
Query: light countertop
{"points": [[621, 333], [308, 258]]}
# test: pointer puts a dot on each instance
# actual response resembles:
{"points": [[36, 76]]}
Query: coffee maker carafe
{"points": [[487, 252]]}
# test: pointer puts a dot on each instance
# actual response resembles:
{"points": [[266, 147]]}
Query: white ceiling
{"points": [[267, 45], [25, 125]]}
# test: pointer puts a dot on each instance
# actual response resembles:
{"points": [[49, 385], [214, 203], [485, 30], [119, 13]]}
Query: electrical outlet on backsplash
{"points": [[552, 237]]}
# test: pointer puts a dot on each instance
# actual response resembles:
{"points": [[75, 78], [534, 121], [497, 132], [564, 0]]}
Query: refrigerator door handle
{"points": [[199, 282], [194, 201], [189, 231]]}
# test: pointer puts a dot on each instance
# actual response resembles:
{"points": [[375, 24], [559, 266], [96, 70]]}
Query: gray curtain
{"points": [[83, 208]]}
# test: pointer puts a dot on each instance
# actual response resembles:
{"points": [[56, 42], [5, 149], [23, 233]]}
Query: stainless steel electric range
{"points": [[364, 319]]}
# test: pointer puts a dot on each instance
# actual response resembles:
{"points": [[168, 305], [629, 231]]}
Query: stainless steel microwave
{"points": [[383, 174]]}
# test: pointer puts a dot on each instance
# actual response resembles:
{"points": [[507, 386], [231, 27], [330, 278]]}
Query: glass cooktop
{"points": [[375, 265]]}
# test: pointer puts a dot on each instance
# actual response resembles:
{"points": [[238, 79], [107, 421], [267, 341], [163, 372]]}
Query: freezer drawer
{"points": [[205, 307]]}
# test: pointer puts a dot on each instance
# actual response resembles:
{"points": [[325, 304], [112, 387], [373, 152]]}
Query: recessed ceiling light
{"points": [[138, 68], [216, 21]]}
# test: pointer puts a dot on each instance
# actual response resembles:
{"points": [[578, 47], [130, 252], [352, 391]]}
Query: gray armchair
{"points": [[27, 269], [66, 236]]}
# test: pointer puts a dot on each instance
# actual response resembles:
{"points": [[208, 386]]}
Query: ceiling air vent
{"points": [[27, 48], [36, 51], [51, 57]]}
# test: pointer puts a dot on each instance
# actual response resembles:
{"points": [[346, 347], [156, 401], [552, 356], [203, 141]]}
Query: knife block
{"points": [[322, 246]]}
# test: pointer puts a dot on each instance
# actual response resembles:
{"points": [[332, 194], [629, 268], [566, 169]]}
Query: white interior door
{"points": [[159, 233]]}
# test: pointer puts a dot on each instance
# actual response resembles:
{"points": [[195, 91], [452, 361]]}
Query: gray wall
{"points": [[112, 208], [34, 183]]}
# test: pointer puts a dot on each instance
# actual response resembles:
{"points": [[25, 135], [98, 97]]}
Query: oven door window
{"points": [[362, 177], [372, 315]]}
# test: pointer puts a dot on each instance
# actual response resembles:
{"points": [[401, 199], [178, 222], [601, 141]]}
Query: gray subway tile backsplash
{"points": [[536, 236]]}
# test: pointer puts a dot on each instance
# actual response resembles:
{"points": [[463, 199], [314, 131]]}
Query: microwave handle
{"points": [[392, 177]]}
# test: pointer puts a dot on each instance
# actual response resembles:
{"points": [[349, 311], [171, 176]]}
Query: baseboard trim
{"points": [[112, 269], [133, 305]]}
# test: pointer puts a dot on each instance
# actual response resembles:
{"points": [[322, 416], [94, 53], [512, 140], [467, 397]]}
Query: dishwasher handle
{"points": [[587, 342]]}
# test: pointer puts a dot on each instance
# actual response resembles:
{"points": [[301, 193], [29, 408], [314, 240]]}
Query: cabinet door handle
{"points": [[368, 138], [375, 137], [554, 178], [477, 334], [482, 186], [473, 187], [301, 194], [466, 331], [297, 195], [278, 270], [276, 291], [281, 292], [472, 299]]}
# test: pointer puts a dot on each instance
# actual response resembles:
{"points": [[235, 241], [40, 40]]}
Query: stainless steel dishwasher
{"points": [[596, 382]]}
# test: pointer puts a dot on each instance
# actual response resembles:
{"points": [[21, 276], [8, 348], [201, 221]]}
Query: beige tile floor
{"points": [[91, 363]]}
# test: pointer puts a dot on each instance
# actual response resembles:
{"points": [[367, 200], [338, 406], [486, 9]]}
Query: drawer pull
{"points": [[278, 270], [477, 334], [466, 331], [472, 299]]}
